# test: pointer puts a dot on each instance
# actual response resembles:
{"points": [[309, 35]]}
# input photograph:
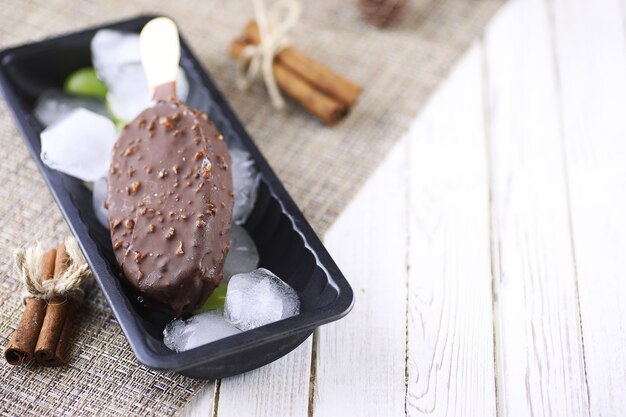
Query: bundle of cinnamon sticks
{"points": [[46, 325], [319, 90]]}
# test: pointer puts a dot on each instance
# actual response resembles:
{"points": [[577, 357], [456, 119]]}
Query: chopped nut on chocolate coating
{"points": [[179, 249], [198, 155], [175, 168], [223, 204], [200, 224], [166, 122], [222, 161], [117, 245], [143, 211], [129, 223], [212, 208], [129, 151], [206, 168], [219, 136], [179, 133], [151, 228], [162, 173], [135, 186], [131, 171], [170, 233]]}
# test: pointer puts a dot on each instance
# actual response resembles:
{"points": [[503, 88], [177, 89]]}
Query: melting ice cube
{"points": [[53, 105], [258, 298], [242, 256], [129, 93], [112, 49], [245, 184], [116, 57], [181, 335], [99, 194], [79, 145]]}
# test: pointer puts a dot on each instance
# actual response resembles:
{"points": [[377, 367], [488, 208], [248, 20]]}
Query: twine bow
{"points": [[68, 285], [283, 15]]}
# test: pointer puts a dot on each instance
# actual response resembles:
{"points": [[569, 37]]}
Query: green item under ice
{"points": [[215, 301], [85, 82]]}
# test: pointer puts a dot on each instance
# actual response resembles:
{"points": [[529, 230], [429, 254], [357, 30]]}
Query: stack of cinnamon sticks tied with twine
{"points": [[319, 90], [53, 281]]}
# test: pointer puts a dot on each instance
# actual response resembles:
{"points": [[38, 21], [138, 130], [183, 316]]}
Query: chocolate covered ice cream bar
{"points": [[170, 206]]}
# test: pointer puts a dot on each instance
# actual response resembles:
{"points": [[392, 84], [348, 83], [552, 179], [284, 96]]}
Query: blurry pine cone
{"points": [[383, 13]]}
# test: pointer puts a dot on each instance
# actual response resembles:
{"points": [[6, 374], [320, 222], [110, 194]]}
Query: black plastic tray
{"points": [[287, 245]]}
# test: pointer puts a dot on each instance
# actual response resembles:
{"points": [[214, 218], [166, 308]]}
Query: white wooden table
{"points": [[488, 251]]}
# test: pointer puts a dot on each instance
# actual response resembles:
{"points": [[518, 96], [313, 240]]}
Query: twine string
{"points": [[68, 285], [273, 29]]}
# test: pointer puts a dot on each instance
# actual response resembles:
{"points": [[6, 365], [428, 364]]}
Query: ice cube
{"points": [[79, 145], [129, 93], [116, 56], [181, 335], [258, 298], [242, 256], [99, 194], [53, 105], [245, 184], [111, 50]]}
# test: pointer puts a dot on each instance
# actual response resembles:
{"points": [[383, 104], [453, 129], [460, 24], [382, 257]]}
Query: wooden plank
{"points": [[276, 390], [450, 341], [202, 403], [361, 358], [538, 342], [591, 61]]}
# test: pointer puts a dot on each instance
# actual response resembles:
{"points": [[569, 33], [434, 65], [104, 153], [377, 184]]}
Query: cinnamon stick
{"points": [[316, 102], [22, 343], [61, 351], [53, 322], [318, 75]]}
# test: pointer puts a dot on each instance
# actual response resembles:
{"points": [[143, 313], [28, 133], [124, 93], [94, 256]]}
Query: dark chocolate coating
{"points": [[170, 205]]}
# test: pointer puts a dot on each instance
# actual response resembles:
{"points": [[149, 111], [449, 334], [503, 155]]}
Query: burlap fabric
{"points": [[322, 167]]}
